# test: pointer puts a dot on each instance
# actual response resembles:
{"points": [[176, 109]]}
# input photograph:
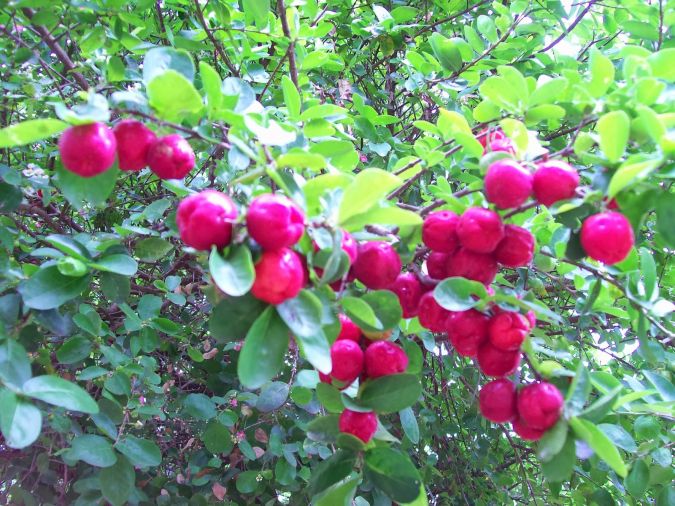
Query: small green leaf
{"points": [[602, 74], [665, 217], [393, 473], [579, 390], [552, 441], [637, 481], [272, 396], [217, 438], [323, 429], [123, 265], [14, 364], [89, 191], [409, 424], [57, 391], [142, 452], [94, 450], [600, 443], [331, 470], [292, 98], [117, 482], [152, 249], [173, 97], [30, 131], [614, 130], [160, 59], [20, 421], [48, 288], [367, 189], [630, 171], [232, 318], [457, 294], [262, 355], [199, 406], [375, 311], [390, 394], [561, 466], [340, 494], [234, 274]]}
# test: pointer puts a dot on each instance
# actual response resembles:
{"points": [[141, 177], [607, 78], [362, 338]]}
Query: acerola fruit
{"points": [[554, 180], [497, 400], [504, 145], [507, 184], [347, 358], [278, 276], [205, 219], [133, 142], [495, 362], [377, 265], [612, 205], [467, 330], [431, 315], [348, 329], [350, 246], [508, 330], [525, 431], [384, 358], [437, 264], [87, 150], [439, 231], [480, 230], [540, 405], [171, 157], [470, 265], [607, 237], [408, 289], [516, 249], [361, 425], [274, 221], [487, 136]]}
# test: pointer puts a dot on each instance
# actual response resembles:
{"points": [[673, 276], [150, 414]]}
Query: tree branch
{"points": [[569, 28], [281, 11]]}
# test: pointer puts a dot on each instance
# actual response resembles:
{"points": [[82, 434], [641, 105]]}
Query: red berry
{"points": [[278, 276], [431, 315], [361, 425], [504, 145], [612, 205], [531, 318], [171, 157], [554, 180], [517, 247], [495, 362], [384, 358], [350, 246], [87, 150], [377, 265], [540, 405], [470, 265], [467, 330], [508, 330], [487, 136], [133, 142], [607, 237], [348, 329], [507, 184], [274, 221], [408, 289], [347, 359], [480, 230], [525, 431], [437, 264], [497, 401], [205, 219], [439, 231]]}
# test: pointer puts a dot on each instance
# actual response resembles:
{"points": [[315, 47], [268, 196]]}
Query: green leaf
{"points": [[30, 131], [117, 482], [375, 311], [600, 443], [262, 355], [620, 436], [548, 91], [89, 191], [630, 171], [48, 288], [94, 450], [329, 397], [637, 481], [600, 408], [409, 424], [292, 98], [561, 466], [120, 264], [579, 390], [117, 288], [393, 473], [340, 494], [552, 441], [331, 470], [74, 350], [272, 396], [392, 393], [614, 130], [665, 217], [217, 438], [366, 190], [14, 364], [256, 11], [142, 452], [234, 274], [20, 421], [394, 216], [602, 74], [212, 85], [661, 63], [152, 249], [457, 294], [446, 51], [199, 406], [160, 59], [232, 318], [57, 391], [323, 429], [173, 97]]}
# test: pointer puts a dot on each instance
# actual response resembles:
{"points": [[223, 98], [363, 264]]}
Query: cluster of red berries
{"points": [[91, 149]]}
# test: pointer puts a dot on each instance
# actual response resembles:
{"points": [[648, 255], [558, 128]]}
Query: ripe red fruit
{"points": [[347, 358], [439, 231], [350, 246], [517, 247], [554, 180], [205, 219], [470, 265], [87, 150], [348, 329], [487, 136], [495, 362], [480, 230], [278, 276], [361, 425], [171, 157], [612, 205], [507, 184], [497, 401], [133, 142], [525, 431], [540, 405], [437, 264], [377, 265], [431, 315], [408, 289], [384, 358], [508, 330], [467, 330], [274, 221], [504, 145], [607, 237]]}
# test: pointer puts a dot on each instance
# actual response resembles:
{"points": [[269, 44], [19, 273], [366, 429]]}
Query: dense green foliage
{"points": [[122, 373]]}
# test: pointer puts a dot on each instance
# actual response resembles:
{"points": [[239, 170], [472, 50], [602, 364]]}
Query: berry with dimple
{"points": [[274, 221], [507, 184], [540, 405], [408, 289], [516, 249], [205, 220], [431, 315], [607, 237], [437, 264], [87, 150], [439, 231], [554, 180], [497, 400], [384, 358], [171, 157], [278, 276], [377, 265], [467, 264], [361, 425], [480, 230], [348, 329], [508, 330], [467, 330], [133, 142], [495, 362], [505, 145], [347, 359], [525, 431]]}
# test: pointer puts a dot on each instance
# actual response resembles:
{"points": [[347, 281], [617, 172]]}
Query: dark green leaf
{"points": [[117, 482], [20, 421], [232, 318], [331, 470], [272, 396], [456, 294], [94, 450], [14, 364], [552, 441], [48, 288], [199, 406], [323, 429], [560, 467], [74, 350], [217, 438], [142, 452], [80, 191], [409, 424], [579, 390], [60, 392], [637, 481], [393, 473], [389, 394], [234, 274], [340, 494], [263, 352], [152, 249], [600, 443]]}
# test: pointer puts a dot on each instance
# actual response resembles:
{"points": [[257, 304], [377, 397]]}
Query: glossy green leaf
{"points": [[614, 129], [600, 443], [233, 274], [263, 352], [389, 394], [57, 391], [30, 131]]}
